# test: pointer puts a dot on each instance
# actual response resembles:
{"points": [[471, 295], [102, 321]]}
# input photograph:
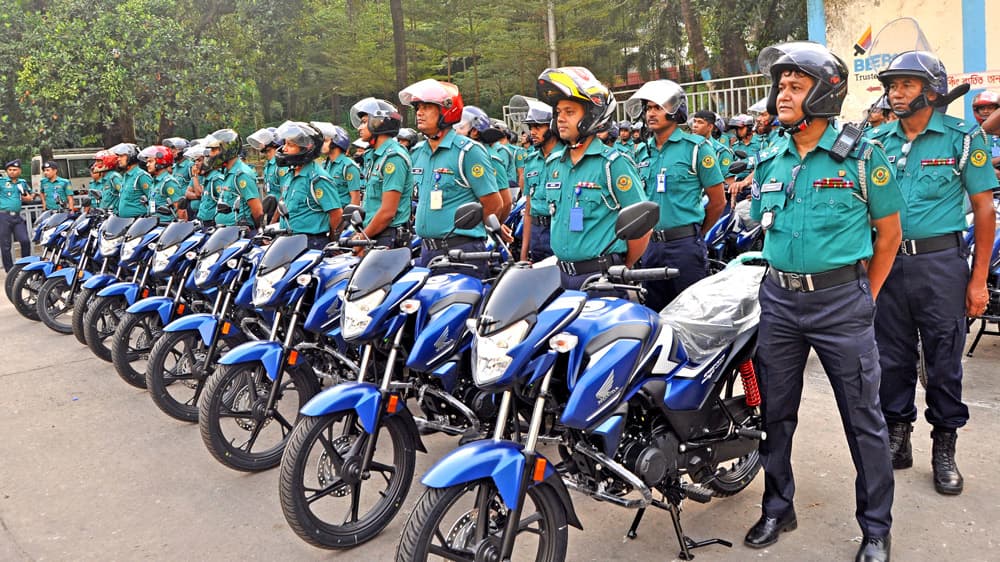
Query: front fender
{"points": [[124, 288], [162, 305], [203, 323], [267, 352], [27, 259], [45, 267], [502, 461], [99, 281], [365, 399], [67, 273]]}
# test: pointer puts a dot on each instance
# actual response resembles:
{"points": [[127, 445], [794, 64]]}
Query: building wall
{"points": [[955, 29]]}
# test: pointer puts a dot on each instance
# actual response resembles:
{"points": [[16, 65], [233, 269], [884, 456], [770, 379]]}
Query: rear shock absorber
{"points": [[750, 389]]}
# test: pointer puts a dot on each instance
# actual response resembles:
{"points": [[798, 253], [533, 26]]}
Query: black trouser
{"points": [[13, 224], [837, 323], [482, 268], [689, 255]]}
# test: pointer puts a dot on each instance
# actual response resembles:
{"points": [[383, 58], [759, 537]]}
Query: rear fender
{"points": [[162, 305], [267, 352], [501, 461]]}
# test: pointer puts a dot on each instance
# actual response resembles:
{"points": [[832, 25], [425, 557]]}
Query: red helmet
{"points": [[104, 161], [159, 154], [983, 99], [442, 94]]}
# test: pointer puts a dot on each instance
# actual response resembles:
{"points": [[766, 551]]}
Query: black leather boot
{"points": [[766, 530], [947, 479], [899, 445], [874, 549]]}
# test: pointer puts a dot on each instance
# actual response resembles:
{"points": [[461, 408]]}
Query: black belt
{"points": [[587, 266], [541, 221], [448, 243], [808, 282], [932, 244], [11, 213], [324, 236], [676, 233]]}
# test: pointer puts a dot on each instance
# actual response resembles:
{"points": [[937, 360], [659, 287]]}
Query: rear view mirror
{"points": [[223, 209], [636, 220], [468, 215]]}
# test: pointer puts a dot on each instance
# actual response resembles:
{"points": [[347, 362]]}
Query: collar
{"points": [[386, 146], [935, 125], [784, 143], [595, 147], [448, 140]]}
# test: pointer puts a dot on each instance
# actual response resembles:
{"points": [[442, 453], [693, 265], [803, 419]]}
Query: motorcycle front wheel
{"points": [[131, 345], [174, 375], [54, 304], [24, 294], [100, 322], [80, 305], [466, 522], [326, 498], [235, 424]]}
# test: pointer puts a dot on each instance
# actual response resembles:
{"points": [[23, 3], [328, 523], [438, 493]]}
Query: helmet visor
{"points": [[260, 140], [430, 91], [300, 134], [325, 128], [665, 93]]}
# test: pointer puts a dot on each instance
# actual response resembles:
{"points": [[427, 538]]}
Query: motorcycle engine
{"points": [[652, 457]]}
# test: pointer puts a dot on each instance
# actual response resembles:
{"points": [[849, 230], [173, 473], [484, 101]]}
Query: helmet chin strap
{"points": [[798, 126], [916, 105]]}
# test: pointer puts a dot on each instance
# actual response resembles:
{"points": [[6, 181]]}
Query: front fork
{"points": [[387, 399]]}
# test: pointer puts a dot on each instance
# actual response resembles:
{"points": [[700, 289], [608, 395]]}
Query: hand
{"points": [[358, 250], [976, 299], [506, 234]]}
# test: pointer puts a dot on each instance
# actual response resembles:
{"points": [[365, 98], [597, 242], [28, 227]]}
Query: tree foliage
{"points": [[94, 72]]}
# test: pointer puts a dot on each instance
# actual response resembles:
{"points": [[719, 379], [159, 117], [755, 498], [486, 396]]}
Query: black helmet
{"points": [[827, 69], [917, 64], [302, 135], [383, 117], [408, 135], [229, 144]]}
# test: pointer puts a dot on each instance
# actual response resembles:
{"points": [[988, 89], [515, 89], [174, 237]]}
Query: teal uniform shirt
{"points": [[579, 235], [820, 221], [111, 186], [346, 176], [271, 184], [623, 147], [209, 196], [56, 192], [509, 157], [932, 176], [751, 148], [534, 181], [388, 169], [676, 176], [310, 196], [438, 171], [640, 152], [724, 154], [182, 173], [136, 186], [499, 162], [520, 153], [238, 185], [165, 191], [11, 193]]}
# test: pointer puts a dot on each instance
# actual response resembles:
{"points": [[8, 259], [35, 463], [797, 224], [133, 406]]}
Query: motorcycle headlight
{"points": [[162, 257], [109, 247], [490, 352], [263, 286], [47, 234], [204, 268], [129, 248], [356, 313]]}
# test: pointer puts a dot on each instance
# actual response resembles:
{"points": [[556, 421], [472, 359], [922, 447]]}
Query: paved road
{"points": [[91, 470]]}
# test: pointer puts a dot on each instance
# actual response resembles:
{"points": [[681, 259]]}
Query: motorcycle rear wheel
{"points": [[731, 480]]}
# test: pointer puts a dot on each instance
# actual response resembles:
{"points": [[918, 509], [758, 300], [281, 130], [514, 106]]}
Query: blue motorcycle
{"points": [[248, 406], [109, 241], [108, 306], [36, 238], [350, 460], [31, 276], [186, 353], [144, 320], [636, 412]]}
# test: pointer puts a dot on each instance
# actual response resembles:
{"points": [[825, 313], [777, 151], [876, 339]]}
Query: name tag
{"points": [[643, 164], [553, 185], [418, 171], [531, 174], [769, 187]]}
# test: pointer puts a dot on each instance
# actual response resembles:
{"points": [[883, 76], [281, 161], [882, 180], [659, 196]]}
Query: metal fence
{"points": [[725, 96]]}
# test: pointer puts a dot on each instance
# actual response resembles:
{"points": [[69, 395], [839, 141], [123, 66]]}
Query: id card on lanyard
{"points": [[437, 196], [661, 181], [576, 212]]}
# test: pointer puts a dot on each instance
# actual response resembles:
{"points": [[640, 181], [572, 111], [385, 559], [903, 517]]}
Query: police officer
{"points": [[107, 179], [202, 187], [181, 168], [345, 172], [819, 290], [166, 192], [136, 183], [742, 127], [764, 131], [56, 191], [938, 160], [389, 183], [311, 198], [13, 192], [983, 105], [586, 183], [407, 138], [265, 142], [640, 150], [476, 124], [238, 188], [711, 126], [449, 170], [680, 168], [544, 141], [624, 142]]}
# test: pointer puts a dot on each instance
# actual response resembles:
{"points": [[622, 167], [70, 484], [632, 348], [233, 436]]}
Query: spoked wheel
{"points": [[328, 500], [174, 375], [80, 305], [24, 294], [100, 322], [466, 522], [131, 344], [235, 423], [55, 305], [8, 282]]}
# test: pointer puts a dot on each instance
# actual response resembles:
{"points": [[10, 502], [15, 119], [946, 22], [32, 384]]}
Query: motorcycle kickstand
{"points": [[634, 528], [688, 544]]}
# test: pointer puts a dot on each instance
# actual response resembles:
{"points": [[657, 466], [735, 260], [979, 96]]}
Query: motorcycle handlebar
{"points": [[623, 274], [358, 244], [460, 255]]}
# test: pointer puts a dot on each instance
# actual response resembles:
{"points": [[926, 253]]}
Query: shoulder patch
{"points": [[319, 193], [170, 191], [348, 176], [708, 162], [282, 171], [478, 170], [243, 183], [624, 183], [389, 168], [880, 176], [978, 158]]}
